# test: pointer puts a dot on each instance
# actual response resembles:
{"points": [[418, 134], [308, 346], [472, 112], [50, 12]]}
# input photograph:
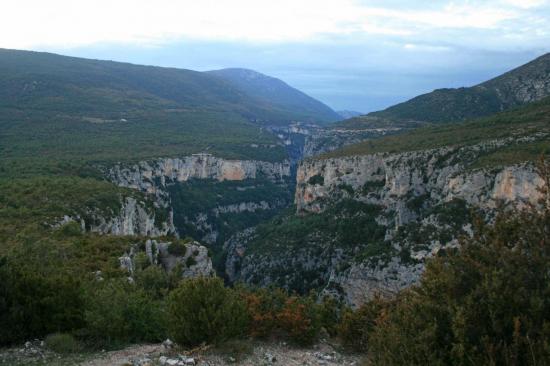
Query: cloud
{"points": [[526, 4], [69, 23], [352, 54]]}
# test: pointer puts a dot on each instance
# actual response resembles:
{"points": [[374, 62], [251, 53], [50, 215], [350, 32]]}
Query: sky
{"points": [[351, 54]]}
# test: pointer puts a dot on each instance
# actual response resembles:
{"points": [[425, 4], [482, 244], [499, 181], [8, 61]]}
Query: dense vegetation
{"points": [[204, 196], [485, 304], [61, 113], [304, 246], [50, 289], [30, 208], [525, 121]]}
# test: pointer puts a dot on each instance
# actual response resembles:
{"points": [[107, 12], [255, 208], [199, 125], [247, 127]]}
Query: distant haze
{"points": [[352, 55]]}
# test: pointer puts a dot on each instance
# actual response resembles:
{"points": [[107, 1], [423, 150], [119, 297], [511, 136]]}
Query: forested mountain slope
{"points": [[278, 93], [524, 84]]}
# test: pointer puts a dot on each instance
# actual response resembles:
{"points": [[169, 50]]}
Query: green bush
{"points": [[33, 304], [356, 326], [153, 280], [62, 343], [485, 304], [190, 261], [316, 180], [178, 249], [299, 318], [203, 310], [330, 312], [118, 312]]}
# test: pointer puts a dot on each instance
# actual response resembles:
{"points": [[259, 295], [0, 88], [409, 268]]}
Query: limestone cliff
{"points": [[150, 176], [408, 207], [229, 188], [392, 179], [133, 217]]}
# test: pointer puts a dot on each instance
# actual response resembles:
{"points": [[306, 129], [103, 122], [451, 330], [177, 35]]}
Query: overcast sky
{"points": [[358, 55]]}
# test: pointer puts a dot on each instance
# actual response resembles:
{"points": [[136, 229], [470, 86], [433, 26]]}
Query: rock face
{"points": [[441, 174], [133, 218], [193, 207], [422, 201], [151, 176], [192, 259]]}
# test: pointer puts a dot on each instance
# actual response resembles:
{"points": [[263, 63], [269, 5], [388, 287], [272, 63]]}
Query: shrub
{"points": [[263, 305], [62, 343], [330, 312], [33, 304], [141, 261], [178, 249], [70, 229], [316, 180], [190, 261], [300, 319], [203, 310], [485, 304], [118, 313], [273, 312], [153, 280]]}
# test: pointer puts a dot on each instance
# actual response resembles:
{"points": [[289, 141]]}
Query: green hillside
{"points": [[56, 110], [523, 121], [279, 94], [525, 84]]}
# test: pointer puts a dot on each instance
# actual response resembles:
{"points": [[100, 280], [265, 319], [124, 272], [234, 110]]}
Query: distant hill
{"points": [[527, 120], [278, 93], [525, 84], [55, 108], [345, 114]]}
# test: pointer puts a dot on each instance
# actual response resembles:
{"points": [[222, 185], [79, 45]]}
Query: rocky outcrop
{"points": [[167, 178], [361, 281], [305, 140], [193, 263], [242, 207], [152, 176], [411, 187], [133, 218], [235, 248], [191, 259], [441, 174]]}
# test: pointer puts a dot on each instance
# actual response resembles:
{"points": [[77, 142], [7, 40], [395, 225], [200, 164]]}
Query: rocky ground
{"points": [[246, 353]]}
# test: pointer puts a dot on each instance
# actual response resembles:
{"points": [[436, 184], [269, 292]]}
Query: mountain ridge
{"points": [[278, 92], [524, 84]]}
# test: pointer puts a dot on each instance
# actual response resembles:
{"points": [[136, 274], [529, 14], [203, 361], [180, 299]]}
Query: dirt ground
{"points": [[246, 353]]}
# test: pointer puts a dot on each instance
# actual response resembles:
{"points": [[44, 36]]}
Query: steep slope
{"points": [[370, 215], [184, 139], [57, 110], [525, 84], [278, 93]]}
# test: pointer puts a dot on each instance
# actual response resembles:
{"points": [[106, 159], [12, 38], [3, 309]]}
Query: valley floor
{"points": [[246, 353]]}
